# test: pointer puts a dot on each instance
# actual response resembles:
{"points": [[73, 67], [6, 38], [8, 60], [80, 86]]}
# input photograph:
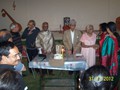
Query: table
{"points": [[70, 64]]}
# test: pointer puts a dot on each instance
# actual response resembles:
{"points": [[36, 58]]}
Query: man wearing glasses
{"points": [[30, 34], [5, 35], [10, 57]]}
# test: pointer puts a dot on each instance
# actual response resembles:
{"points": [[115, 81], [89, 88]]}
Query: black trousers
{"points": [[72, 50], [32, 53], [44, 71]]}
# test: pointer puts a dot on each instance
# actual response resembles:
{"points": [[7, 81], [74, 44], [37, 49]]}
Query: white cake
{"points": [[58, 56]]}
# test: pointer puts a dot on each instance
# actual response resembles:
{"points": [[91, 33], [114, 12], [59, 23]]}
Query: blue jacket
{"points": [[30, 38]]}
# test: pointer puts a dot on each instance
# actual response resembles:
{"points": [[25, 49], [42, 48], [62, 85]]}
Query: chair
{"points": [[25, 55]]}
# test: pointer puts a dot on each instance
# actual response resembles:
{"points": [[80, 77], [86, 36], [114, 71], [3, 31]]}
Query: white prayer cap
{"points": [[72, 22]]}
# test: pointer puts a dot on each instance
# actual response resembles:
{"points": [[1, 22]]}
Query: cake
{"points": [[78, 54], [57, 60], [58, 56]]}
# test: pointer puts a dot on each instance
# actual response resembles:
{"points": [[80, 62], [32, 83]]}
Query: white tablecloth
{"points": [[69, 64]]}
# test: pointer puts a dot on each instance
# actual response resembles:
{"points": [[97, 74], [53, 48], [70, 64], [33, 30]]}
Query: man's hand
{"points": [[74, 52], [44, 52]]}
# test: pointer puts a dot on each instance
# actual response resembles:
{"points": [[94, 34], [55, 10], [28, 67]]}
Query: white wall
{"points": [[84, 11]]}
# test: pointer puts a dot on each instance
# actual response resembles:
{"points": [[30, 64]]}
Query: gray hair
{"points": [[89, 27], [72, 22]]}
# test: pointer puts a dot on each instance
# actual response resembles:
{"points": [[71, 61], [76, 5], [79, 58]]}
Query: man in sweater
{"points": [[30, 34]]}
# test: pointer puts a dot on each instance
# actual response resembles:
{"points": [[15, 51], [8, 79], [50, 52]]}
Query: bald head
{"points": [[5, 35], [45, 26]]}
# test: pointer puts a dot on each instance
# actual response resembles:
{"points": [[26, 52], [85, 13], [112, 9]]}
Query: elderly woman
{"points": [[88, 40]]}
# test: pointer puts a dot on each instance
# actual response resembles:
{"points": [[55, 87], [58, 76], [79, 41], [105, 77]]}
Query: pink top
{"points": [[88, 53]]}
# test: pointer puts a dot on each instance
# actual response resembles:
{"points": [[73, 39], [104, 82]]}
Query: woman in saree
{"points": [[103, 29], [103, 33], [109, 52]]}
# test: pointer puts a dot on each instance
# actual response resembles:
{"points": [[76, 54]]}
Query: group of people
{"points": [[11, 66], [42, 42], [10, 58], [109, 49], [86, 43], [77, 42], [11, 50]]}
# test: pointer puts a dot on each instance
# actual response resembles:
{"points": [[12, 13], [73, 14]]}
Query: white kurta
{"points": [[45, 41]]}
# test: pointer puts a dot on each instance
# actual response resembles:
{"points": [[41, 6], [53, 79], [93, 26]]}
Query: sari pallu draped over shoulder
{"points": [[109, 54]]}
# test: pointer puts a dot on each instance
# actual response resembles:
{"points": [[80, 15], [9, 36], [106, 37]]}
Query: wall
{"points": [[84, 11]]}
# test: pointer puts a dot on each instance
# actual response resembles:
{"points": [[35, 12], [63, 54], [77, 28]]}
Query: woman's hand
{"points": [[95, 46]]}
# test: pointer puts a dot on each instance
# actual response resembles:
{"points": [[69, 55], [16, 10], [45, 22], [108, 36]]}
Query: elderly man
{"points": [[45, 42], [30, 34], [71, 39], [15, 31], [10, 57]]}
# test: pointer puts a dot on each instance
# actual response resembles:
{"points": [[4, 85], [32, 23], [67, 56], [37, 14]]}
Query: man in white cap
{"points": [[71, 39]]}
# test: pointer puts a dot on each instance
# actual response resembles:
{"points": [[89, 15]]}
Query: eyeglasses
{"points": [[30, 25], [16, 55]]}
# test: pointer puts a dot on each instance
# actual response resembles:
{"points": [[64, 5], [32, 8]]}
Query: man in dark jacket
{"points": [[30, 34]]}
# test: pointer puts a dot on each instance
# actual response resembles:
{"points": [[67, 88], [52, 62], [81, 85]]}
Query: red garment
{"points": [[115, 56], [102, 37], [66, 27], [109, 56]]}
